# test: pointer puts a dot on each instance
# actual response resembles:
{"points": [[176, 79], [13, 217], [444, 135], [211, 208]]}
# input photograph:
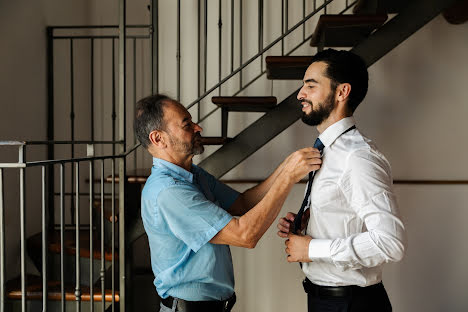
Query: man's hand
{"points": [[297, 248], [301, 162], [285, 224]]}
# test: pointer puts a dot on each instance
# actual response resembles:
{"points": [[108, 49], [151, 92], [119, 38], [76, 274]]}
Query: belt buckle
{"points": [[335, 292], [230, 303]]}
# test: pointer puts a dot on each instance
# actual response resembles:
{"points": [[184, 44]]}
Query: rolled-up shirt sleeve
{"points": [[367, 186], [191, 216]]}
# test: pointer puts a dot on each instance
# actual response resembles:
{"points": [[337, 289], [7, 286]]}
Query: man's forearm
{"points": [[257, 220], [254, 195]]}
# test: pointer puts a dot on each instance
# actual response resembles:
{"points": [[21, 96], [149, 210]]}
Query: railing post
{"points": [[103, 270], [21, 160], [220, 30], [62, 236], [122, 137], [178, 56], [260, 31], [50, 125], [2, 246], [45, 229], [154, 31], [77, 237]]}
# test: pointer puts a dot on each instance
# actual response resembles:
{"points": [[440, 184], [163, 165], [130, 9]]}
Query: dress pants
{"points": [[373, 299]]}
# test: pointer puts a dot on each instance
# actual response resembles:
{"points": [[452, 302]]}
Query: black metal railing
{"points": [[89, 161]]}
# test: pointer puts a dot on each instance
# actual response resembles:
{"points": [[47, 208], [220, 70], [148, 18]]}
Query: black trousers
{"points": [[368, 299]]}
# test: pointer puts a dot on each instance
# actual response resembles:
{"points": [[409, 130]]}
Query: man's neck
{"points": [[183, 162], [335, 116], [327, 123]]}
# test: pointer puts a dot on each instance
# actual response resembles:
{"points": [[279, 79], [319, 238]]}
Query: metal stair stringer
{"points": [[416, 14]]}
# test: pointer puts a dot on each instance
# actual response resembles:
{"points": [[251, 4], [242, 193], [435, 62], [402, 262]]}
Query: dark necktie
{"points": [[297, 221]]}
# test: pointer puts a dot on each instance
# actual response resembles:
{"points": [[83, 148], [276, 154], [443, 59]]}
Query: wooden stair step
{"points": [[245, 103], [34, 291], [34, 244], [380, 6], [287, 67], [345, 30], [136, 176]]}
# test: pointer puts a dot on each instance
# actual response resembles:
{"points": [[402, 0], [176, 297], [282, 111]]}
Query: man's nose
{"points": [[300, 94], [197, 127]]}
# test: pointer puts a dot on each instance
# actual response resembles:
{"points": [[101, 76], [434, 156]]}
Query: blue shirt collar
{"points": [[173, 169], [334, 131]]}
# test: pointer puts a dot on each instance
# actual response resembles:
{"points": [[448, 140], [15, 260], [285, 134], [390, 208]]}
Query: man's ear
{"points": [[156, 138], [342, 92]]}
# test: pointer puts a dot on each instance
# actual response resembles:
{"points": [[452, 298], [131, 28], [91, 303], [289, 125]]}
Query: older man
{"points": [[188, 214]]}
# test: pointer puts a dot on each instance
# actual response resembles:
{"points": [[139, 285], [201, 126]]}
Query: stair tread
{"points": [[34, 290], [245, 103], [287, 67], [383, 6], [35, 243], [345, 30]]}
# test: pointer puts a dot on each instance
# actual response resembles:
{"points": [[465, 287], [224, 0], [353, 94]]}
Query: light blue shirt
{"points": [[182, 211]]}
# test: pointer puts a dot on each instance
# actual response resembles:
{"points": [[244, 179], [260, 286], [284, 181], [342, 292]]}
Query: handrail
{"points": [[71, 142], [98, 26], [12, 143], [63, 161]]}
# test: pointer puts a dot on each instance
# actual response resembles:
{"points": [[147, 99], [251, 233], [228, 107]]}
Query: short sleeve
{"points": [[190, 216]]}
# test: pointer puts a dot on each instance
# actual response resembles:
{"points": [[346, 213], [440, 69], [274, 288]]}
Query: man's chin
{"points": [[198, 149], [311, 120]]}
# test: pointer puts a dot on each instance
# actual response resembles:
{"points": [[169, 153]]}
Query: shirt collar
{"points": [[334, 131], [173, 169]]}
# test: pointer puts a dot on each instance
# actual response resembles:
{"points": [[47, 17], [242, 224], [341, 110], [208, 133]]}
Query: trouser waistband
{"points": [[197, 306], [336, 291]]}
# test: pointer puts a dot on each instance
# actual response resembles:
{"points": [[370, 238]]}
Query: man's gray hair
{"points": [[149, 117]]}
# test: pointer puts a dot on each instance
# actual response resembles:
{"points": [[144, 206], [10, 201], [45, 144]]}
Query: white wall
{"points": [[414, 111]]}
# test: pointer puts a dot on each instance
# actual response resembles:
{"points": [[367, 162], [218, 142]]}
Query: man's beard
{"points": [[316, 117], [193, 148]]}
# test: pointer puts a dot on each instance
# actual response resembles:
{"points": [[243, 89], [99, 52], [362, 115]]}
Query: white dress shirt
{"points": [[354, 221]]}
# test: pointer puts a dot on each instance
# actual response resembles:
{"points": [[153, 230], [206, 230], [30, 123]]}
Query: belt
{"points": [[336, 291], [199, 306]]}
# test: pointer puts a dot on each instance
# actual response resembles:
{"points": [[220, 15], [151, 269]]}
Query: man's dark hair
{"points": [[346, 67], [149, 117]]}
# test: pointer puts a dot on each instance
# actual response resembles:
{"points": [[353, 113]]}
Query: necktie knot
{"points": [[319, 145]]}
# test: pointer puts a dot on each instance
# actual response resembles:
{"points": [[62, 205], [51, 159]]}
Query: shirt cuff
{"points": [[319, 249]]}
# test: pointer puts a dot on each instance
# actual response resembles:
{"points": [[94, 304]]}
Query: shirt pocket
{"points": [[326, 197], [330, 211]]}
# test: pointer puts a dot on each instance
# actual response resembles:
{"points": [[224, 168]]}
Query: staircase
{"points": [[92, 275]]}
